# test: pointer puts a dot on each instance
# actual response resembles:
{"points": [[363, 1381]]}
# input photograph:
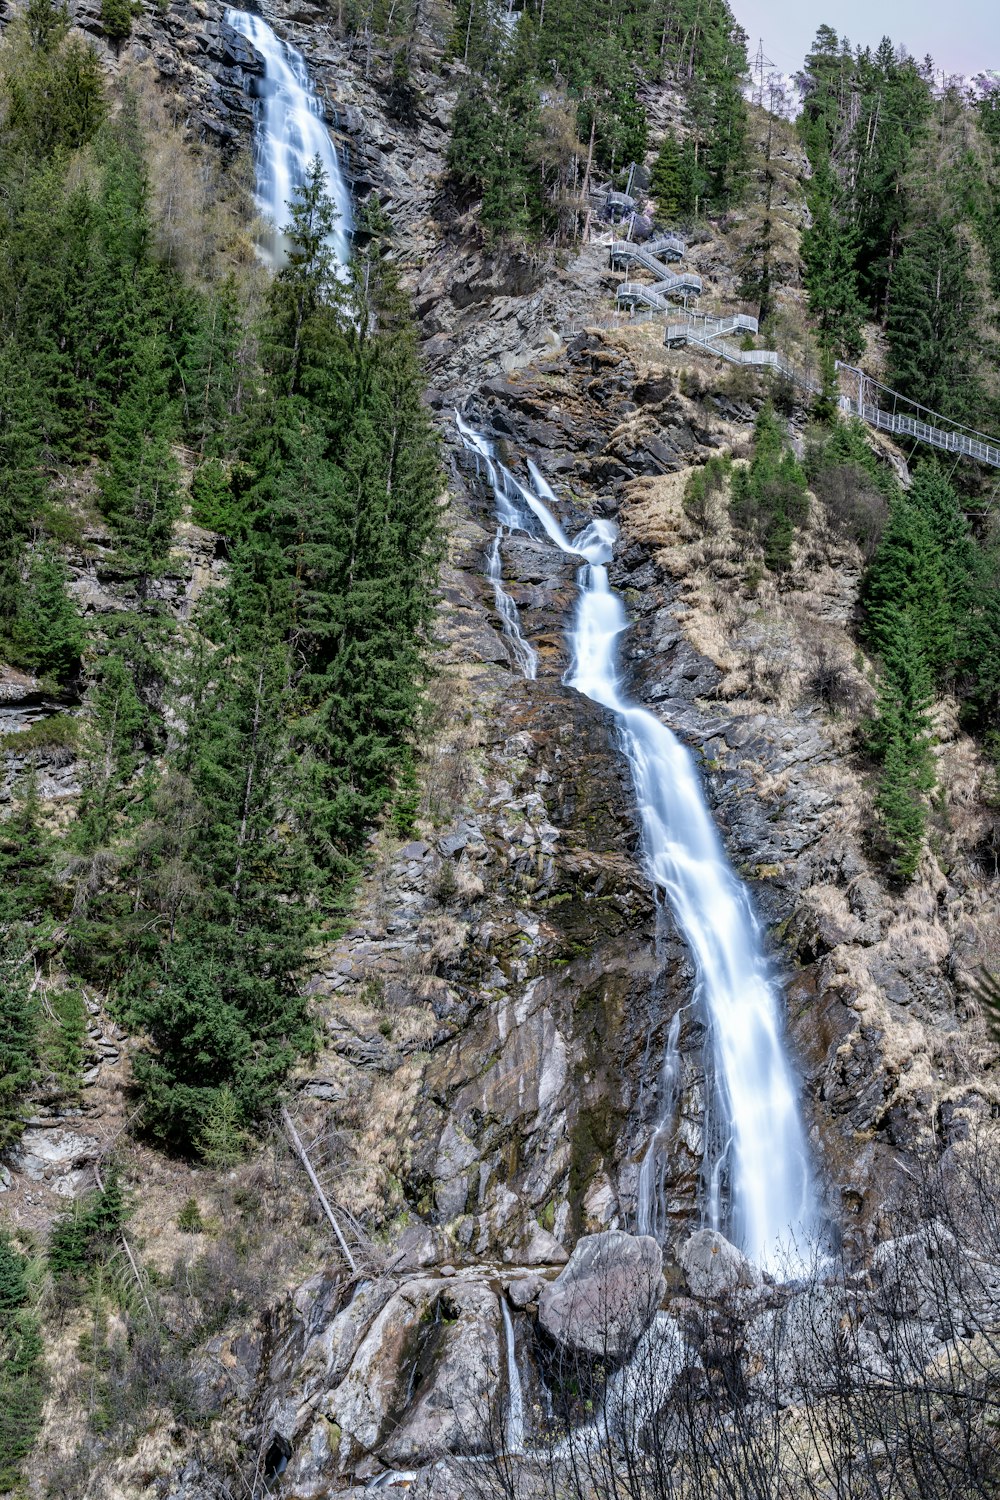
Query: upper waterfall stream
{"points": [[762, 1154], [290, 134]]}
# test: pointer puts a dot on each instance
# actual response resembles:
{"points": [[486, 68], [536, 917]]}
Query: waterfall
{"points": [[523, 652], [650, 1217], [763, 1157], [508, 519], [290, 133], [515, 1395]]}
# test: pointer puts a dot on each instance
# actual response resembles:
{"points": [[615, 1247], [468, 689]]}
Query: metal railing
{"points": [[949, 440], [630, 292], [712, 334], [671, 245], [702, 327], [710, 339], [624, 251]]}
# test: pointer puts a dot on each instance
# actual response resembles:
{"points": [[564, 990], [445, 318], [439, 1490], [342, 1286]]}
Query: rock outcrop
{"points": [[606, 1297]]}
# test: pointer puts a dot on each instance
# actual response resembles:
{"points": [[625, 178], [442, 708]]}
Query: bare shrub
{"points": [[855, 509], [877, 1380]]}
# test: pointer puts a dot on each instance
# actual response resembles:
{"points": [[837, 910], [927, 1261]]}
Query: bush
{"points": [[83, 1235], [54, 732], [769, 500], [64, 1037], [48, 634], [189, 1220], [214, 504], [702, 487], [116, 18], [856, 510]]}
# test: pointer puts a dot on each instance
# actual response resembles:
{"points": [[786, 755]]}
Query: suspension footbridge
{"points": [[859, 394]]}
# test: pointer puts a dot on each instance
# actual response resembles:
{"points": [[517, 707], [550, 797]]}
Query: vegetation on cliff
{"points": [[554, 100], [232, 763]]}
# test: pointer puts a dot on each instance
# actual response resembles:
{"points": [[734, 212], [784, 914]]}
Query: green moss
{"points": [[592, 1140]]}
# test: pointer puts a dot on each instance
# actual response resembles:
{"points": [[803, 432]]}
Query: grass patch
{"points": [[55, 732]]}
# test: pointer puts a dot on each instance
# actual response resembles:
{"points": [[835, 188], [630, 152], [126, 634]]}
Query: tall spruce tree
{"points": [[829, 250]]}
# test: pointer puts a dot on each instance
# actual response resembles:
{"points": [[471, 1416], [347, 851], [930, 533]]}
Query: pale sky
{"points": [[962, 36]]}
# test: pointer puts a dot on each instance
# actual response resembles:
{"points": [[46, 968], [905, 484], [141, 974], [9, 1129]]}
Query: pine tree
{"points": [[18, 1033], [22, 485], [116, 18], [934, 312], [665, 183], [829, 250], [694, 182], [899, 736], [900, 805], [48, 634], [22, 1383], [27, 880], [223, 1141], [139, 485], [905, 582]]}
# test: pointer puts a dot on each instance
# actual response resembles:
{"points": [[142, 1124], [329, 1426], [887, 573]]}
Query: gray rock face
{"points": [[715, 1269], [607, 1296]]}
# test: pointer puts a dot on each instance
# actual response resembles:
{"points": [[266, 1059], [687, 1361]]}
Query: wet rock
{"points": [[607, 1295], [453, 1410], [424, 1376], [524, 1289]]}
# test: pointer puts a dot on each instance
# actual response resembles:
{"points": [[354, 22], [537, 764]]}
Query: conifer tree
{"points": [[139, 484], [223, 1141], [22, 1382], [904, 590], [22, 485], [829, 249], [27, 880], [932, 321], [665, 183], [18, 1032], [47, 635]]}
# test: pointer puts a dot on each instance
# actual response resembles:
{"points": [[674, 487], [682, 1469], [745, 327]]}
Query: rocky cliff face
{"points": [[496, 1016]]}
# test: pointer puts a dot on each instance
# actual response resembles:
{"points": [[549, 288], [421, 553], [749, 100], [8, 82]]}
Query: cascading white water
{"points": [[508, 519], [515, 1395], [523, 652], [290, 134], [765, 1158], [650, 1192]]}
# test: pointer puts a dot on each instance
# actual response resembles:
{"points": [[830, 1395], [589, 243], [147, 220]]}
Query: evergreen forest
{"points": [[902, 262], [234, 760]]}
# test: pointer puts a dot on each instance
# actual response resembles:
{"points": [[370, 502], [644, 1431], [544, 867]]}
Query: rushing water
{"points": [[290, 133], [757, 1177], [522, 652], [515, 1395]]}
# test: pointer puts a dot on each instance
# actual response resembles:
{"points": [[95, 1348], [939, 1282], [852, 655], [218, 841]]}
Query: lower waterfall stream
{"points": [[757, 1182]]}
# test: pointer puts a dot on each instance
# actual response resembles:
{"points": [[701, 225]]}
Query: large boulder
{"points": [[424, 1379], [716, 1270], [453, 1409], [607, 1296]]}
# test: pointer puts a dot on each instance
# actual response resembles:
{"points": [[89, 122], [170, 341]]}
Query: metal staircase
{"points": [[710, 334], [667, 284], [882, 408]]}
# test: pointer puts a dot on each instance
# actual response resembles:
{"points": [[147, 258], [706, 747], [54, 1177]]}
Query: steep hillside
{"points": [[340, 1006]]}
